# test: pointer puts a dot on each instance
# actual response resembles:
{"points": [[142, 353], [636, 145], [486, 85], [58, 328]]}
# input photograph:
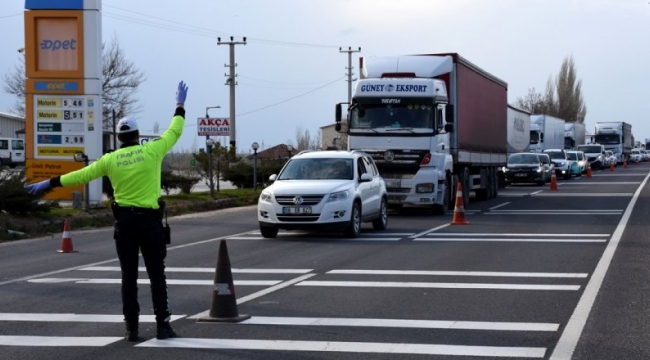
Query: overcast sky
{"points": [[291, 73]]}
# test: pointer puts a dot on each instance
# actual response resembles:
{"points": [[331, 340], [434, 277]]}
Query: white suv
{"points": [[324, 190]]}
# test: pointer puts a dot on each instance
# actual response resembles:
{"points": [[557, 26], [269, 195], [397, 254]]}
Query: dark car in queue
{"points": [[525, 168]]}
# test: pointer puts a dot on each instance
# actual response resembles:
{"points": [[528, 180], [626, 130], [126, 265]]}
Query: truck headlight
{"points": [[424, 188]]}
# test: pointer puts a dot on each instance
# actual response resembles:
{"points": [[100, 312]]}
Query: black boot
{"points": [[164, 331], [131, 331]]}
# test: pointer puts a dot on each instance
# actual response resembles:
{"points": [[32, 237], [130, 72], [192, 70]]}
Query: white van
{"points": [[12, 152]]}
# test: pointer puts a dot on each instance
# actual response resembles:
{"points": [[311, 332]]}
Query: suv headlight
{"points": [[266, 197], [338, 196]]}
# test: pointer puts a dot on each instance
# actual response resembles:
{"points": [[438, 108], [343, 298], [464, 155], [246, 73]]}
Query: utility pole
{"points": [[231, 82], [349, 68]]}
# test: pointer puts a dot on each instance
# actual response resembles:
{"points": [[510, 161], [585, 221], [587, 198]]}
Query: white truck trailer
{"points": [[546, 132]]}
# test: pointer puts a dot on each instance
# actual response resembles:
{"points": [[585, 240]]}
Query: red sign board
{"points": [[213, 126]]}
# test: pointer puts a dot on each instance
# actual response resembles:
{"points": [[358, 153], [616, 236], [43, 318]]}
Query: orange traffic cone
{"points": [[611, 166], [625, 164], [66, 243], [589, 171], [459, 209], [554, 181]]}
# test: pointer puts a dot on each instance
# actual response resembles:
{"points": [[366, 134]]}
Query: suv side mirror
{"points": [[365, 177]]}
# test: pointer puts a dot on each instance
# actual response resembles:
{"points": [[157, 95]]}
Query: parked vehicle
{"points": [[546, 132], [326, 191], [548, 166], [12, 152], [612, 159], [419, 119], [580, 158], [635, 155], [525, 168], [615, 136], [575, 167], [595, 154], [574, 135], [561, 163]]}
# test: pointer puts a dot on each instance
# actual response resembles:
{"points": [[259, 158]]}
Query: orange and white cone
{"points": [[554, 181], [611, 166], [589, 171], [625, 164], [459, 208], [66, 242]]}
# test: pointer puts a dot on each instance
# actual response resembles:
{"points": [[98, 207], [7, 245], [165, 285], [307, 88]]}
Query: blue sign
{"points": [[56, 86], [54, 5]]}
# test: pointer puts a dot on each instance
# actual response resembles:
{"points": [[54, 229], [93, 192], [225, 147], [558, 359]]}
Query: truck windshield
{"points": [[608, 139], [406, 114]]}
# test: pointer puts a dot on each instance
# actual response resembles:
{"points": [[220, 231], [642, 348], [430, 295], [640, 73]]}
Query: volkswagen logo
{"points": [[297, 200], [389, 156]]}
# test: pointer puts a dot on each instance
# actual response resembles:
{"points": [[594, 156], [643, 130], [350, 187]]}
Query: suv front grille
{"points": [[307, 200]]}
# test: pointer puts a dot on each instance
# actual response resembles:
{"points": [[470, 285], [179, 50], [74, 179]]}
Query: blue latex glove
{"points": [[181, 93], [34, 189]]}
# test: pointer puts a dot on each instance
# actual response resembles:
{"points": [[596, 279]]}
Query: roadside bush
{"points": [[170, 181], [13, 197]]}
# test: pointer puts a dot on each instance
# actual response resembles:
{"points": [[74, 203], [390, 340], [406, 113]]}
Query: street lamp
{"points": [[289, 151], [208, 144], [255, 146]]}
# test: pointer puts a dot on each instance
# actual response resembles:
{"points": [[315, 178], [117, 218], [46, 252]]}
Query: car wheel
{"points": [[268, 231], [381, 223], [354, 227]]}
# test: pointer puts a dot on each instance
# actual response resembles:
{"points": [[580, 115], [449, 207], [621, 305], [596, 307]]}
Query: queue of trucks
{"points": [[433, 121]]}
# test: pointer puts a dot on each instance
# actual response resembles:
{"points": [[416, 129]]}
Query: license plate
{"points": [[393, 183], [521, 175], [297, 210]]}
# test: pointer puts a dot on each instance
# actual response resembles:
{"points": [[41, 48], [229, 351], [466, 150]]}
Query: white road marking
{"points": [[498, 206], [569, 338], [400, 323], [460, 273], [353, 347], [77, 317], [205, 270], [434, 285], [361, 238], [260, 293], [520, 234], [574, 194], [576, 211], [146, 281], [513, 240], [606, 183], [430, 230], [552, 212], [31, 341], [513, 194]]}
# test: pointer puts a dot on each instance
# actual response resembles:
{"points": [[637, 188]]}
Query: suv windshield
{"points": [[572, 156], [318, 169]]}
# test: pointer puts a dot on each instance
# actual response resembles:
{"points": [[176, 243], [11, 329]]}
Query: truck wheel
{"points": [[354, 227], [381, 223], [495, 182], [451, 199]]}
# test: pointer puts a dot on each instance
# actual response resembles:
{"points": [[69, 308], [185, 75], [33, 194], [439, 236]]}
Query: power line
{"points": [[199, 30]]}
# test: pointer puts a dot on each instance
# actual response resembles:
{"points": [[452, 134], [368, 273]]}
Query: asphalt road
{"points": [[535, 274]]}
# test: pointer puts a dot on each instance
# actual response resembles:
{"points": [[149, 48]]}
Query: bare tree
{"points": [[562, 97], [15, 85], [570, 105], [121, 80]]}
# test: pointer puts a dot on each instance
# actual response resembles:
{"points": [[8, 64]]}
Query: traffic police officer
{"points": [[134, 171]]}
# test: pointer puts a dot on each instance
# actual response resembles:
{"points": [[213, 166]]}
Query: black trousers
{"points": [[137, 230]]}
